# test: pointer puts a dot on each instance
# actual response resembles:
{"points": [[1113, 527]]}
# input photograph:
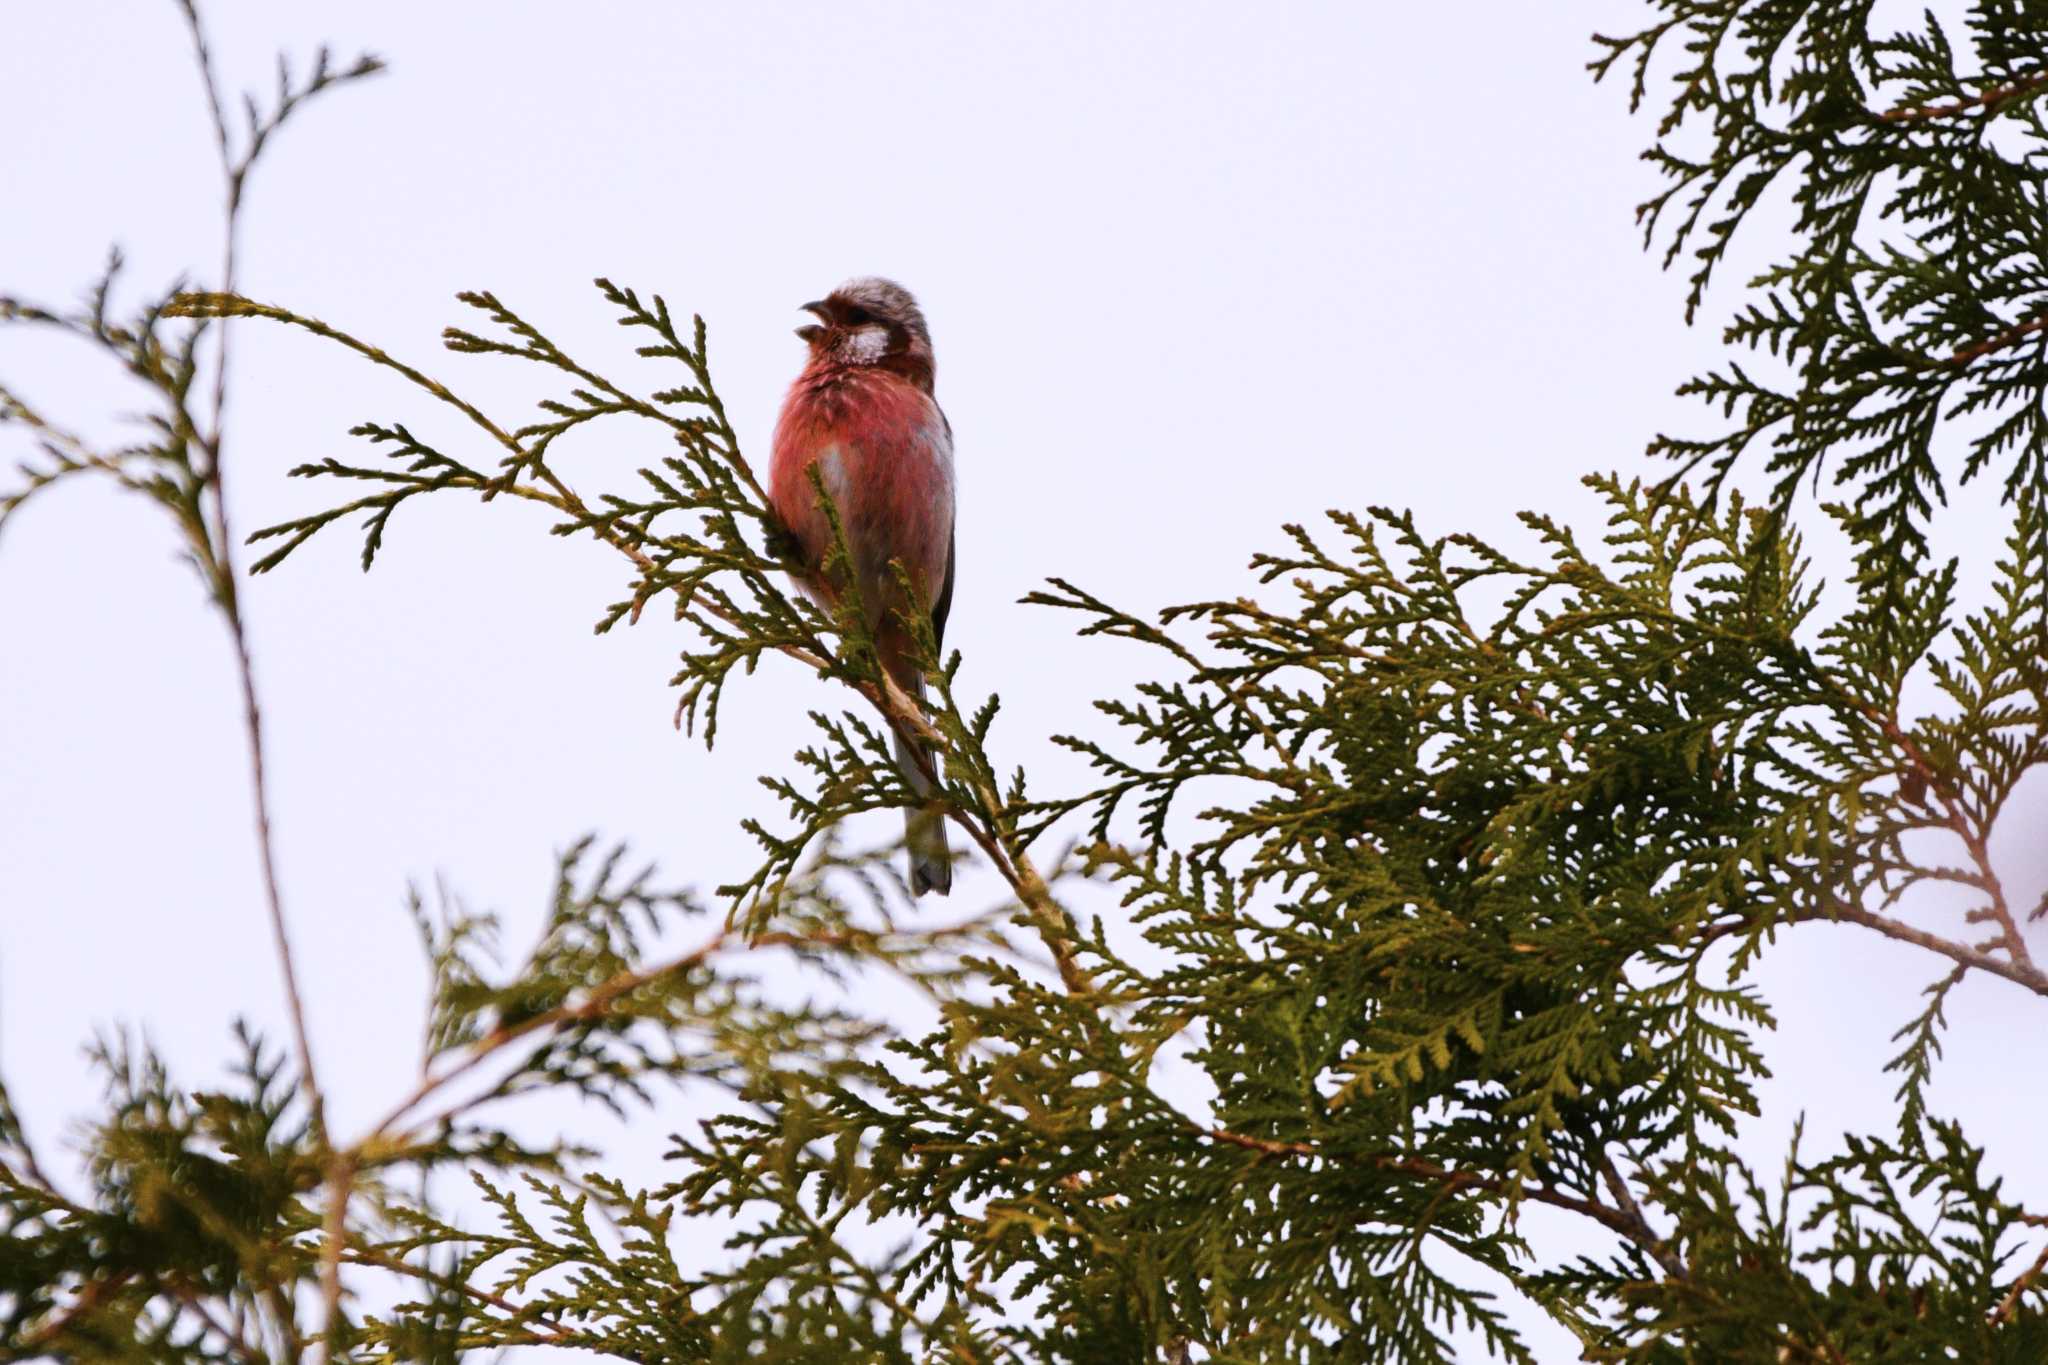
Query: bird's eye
{"points": [[856, 316]]}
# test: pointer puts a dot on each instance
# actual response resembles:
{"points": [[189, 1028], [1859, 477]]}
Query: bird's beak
{"points": [[811, 332]]}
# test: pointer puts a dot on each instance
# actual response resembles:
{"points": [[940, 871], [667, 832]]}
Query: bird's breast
{"points": [[881, 450]]}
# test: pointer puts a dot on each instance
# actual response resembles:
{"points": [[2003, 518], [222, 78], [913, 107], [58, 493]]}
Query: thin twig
{"points": [[598, 1001], [341, 1175], [89, 1298], [591, 1006], [1268, 1146], [228, 587], [553, 1335], [1658, 1246], [2020, 973], [1999, 342], [1956, 817], [240, 1344], [228, 591], [1996, 95], [1635, 1229], [2011, 1302]]}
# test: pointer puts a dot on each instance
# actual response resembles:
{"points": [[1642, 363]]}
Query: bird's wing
{"points": [[943, 604]]}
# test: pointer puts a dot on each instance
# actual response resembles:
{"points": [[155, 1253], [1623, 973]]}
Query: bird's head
{"points": [[870, 321]]}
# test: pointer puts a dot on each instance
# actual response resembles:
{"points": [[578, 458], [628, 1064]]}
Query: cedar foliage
{"points": [[1459, 909]]}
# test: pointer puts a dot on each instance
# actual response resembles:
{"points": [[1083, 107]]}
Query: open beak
{"points": [[811, 332]]}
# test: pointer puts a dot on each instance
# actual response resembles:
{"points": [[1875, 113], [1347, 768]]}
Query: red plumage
{"points": [[864, 414], [887, 461]]}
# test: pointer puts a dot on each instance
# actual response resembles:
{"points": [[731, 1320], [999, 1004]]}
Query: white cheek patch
{"points": [[865, 345]]}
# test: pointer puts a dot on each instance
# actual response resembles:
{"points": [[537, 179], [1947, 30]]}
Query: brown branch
{"points": [[1258, 1144], [1625, 1200], [1955, 816], [240, 1344], [227, 587], [597, 1002], [552, 1335], [1961, 954], [2020, 973], [1048, 918], [89, 1298], [1996, 95], [2011, 1302], [1989, 883], [600, 999], [1999, 342], [341, 1175], [1634, 1229]]}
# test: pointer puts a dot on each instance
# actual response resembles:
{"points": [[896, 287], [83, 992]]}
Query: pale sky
{"points": [[1192, 270]]}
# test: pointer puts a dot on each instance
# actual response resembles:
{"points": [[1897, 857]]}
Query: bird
{"points": [[863, 412]]}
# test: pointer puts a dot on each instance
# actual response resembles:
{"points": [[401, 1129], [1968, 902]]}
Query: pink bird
{"points": [[862, 411]]}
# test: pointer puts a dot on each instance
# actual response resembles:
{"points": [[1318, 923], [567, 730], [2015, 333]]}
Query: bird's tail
{"points": [[931, 858]]}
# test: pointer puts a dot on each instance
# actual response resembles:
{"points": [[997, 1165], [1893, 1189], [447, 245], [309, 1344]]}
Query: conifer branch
{"points": [[243, 1348], [1465, 916], [2008, 1305], [209, 437], [897, 709], [1626, 1220], [95, 1293], [599, 1001], [1644, 1236], [212, 475], [543, 1333]]}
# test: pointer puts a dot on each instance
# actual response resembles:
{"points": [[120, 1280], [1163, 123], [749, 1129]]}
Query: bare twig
{"points": [[227, 586], [1997, 910], [2020, 973], [1268, 1146], [210, 440]]}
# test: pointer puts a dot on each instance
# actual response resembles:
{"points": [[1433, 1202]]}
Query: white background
{"points": [[1192, 271]]}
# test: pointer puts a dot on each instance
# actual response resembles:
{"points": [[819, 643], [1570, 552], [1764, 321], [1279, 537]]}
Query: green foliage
{"points": [[1909, 306], [1452, 868]]}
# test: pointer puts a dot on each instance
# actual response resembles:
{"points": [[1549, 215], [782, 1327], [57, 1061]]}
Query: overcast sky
{"points": [[1192, 270]]}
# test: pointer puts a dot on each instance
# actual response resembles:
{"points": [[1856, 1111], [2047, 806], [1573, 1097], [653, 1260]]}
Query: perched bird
{"points": [[863, 412]]}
